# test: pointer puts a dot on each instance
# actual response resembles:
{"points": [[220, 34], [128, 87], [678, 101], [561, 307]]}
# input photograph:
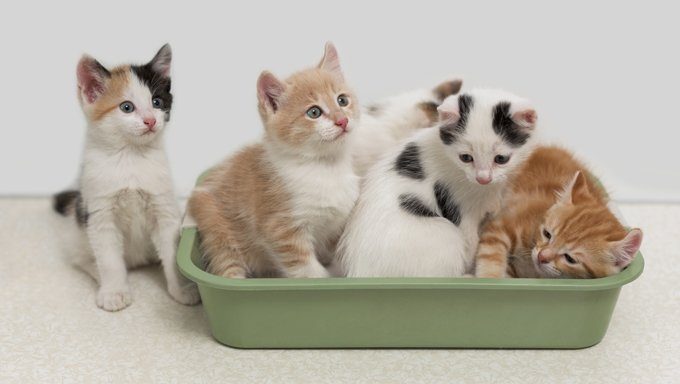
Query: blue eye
{"points": [[127, 107], [500, 159], [343, 100], [465, 158], [314, 112], [157, 102]]}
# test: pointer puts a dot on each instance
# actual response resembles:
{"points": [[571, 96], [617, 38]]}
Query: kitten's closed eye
{"points": [[570, 259], [547, 234]]}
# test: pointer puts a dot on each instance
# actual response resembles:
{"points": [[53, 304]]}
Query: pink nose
{"points": [[342, 123], [543, 257], [150, 122], [483, 180]]}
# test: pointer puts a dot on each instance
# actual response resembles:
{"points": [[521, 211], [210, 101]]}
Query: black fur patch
{"points": [[450, 132], [71, 201], [158, 85], [413, 205], [504, 127], [446, 204], [408, 163]]}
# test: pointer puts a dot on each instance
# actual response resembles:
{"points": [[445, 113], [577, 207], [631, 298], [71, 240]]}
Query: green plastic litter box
{"points": [[404, 312]]}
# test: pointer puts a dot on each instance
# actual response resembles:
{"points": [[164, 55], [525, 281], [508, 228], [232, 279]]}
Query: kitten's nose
{"points": [[150, 122], [483, 177], [342, 123], [543, 257]]}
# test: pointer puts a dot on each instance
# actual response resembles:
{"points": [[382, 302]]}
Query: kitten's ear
{"points": [[576, 191], [330, 60], [447, 88], [524, 115], [625, 250], [269, 90], [449, 111], [161, 62], [92, 78]]}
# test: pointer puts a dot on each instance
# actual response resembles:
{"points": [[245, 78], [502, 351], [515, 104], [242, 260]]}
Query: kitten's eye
{"points": [[314, 112], [127, 106], [501, 159], [343, 100], [157, 102], [570, 259], [547, 234], [465, 158]]}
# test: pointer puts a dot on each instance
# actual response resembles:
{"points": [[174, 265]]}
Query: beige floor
{"points": [[51, 330]]}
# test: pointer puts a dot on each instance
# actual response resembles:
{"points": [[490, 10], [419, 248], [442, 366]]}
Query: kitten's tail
{"points": [[65, 202]]}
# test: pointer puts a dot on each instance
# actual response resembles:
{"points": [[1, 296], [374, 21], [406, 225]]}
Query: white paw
{"points": [[311, 270], [114, 299], [185, 294]]}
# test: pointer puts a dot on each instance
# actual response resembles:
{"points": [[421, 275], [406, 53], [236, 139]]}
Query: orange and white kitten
{"points": [[277, 208], [555, 223]]}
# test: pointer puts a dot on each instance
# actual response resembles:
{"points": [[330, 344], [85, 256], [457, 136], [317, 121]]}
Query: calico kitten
{"points": [[125, 207], [278, 207], [420, 209], [386, 123], [556, 223]]}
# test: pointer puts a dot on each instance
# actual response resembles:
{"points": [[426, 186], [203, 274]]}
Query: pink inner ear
{"points": [[525, 117], [269, 90], [330, 60], [448, 110], [629, 247], [90, 79]]}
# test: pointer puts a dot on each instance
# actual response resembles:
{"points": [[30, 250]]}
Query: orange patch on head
{"points": [[112, 96]]}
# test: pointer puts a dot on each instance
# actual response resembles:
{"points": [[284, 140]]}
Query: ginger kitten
{"points": [[556, 223], [277, 208], [125, 209]]}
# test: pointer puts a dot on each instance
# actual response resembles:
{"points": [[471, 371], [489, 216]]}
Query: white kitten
{"points": [[384, 125], [419, 210], [125, 207]]}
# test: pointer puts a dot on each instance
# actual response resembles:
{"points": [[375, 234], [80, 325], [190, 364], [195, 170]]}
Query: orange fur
{"points": [[546, 194], [249, 224]]}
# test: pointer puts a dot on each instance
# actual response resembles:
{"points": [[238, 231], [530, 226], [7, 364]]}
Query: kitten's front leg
{"points": [[492, 252], [296, 254], [165, 238], [107, 243]]}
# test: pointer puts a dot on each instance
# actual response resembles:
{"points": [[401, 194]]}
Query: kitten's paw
{"points": [[114, 300], [311, 270], [185, 294]]}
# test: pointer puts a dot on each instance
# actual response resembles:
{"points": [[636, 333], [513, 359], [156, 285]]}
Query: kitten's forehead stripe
{"points": [[408, 163], [415, 206], [450, 132], [503, 125], [446, 203]]}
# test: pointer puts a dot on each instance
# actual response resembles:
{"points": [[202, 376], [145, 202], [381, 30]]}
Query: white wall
{"points": [[605, 78]]}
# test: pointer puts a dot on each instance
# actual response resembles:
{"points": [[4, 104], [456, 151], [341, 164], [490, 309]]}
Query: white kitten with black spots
{"points": [[125, 207], [419, 210]]}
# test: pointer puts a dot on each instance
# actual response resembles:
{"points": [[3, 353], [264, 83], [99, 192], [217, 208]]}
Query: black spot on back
{"points": [[446, 204], [413, 205], [374, 109], [450, 132], [408, 163], [158, 85], [507, 129]]}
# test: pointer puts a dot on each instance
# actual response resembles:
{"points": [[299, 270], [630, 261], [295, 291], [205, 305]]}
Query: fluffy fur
{"points": [[556, 224], [125, 207], [420, 208], [385, 124], [278, 208]]}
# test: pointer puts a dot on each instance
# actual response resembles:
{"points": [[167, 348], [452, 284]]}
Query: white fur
{"points": [[134, 218], [377, 134], [383, 240]]}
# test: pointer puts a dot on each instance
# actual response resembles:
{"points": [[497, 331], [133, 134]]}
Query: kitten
{"points": [[420, 209], [386, 123], [125, 206], [556, 224], [278, 207]]}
